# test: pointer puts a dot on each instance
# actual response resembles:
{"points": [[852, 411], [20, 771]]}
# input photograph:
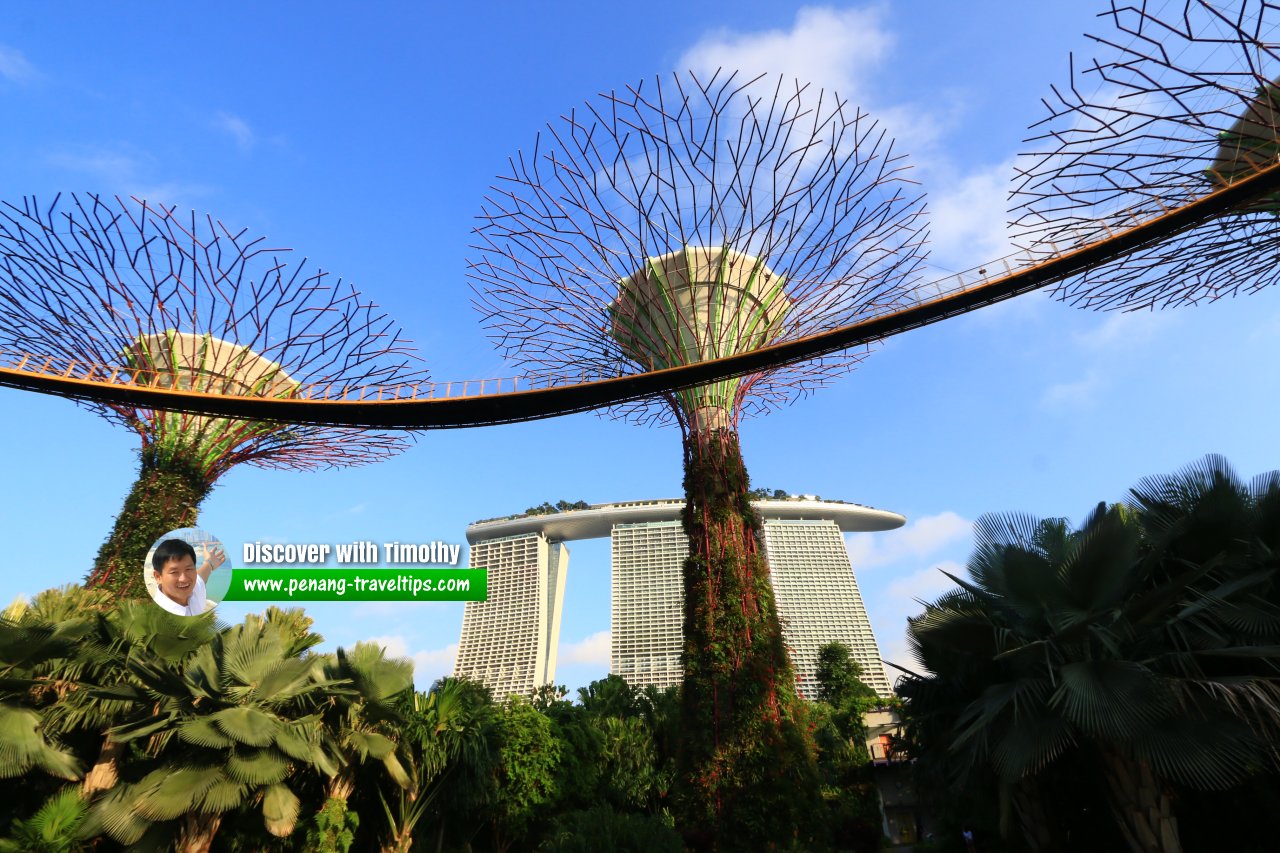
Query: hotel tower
{"points": [[509, 642]]}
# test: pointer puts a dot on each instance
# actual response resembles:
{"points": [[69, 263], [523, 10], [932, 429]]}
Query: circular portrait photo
{"points": [[181, 571]]}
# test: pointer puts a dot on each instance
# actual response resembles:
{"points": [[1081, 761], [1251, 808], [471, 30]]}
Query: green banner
{"points": [[358, 584]]}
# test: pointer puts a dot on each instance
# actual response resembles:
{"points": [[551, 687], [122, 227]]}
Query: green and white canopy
{"points": [[696, 304], [210, 365], [1252, 143]]}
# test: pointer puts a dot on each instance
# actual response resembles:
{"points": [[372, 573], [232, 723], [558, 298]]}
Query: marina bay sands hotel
{"points": [[509, 642]]}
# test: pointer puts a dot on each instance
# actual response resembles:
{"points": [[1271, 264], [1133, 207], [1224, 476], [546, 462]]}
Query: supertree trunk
{"points": [[747, 776], [166, 496], [677, 223]]}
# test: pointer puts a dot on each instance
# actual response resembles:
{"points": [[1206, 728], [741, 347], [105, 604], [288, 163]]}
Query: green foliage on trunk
{"points": [[747, 775], [166, 496]]}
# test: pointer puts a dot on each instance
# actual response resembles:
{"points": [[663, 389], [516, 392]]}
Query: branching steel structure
{"points": [[166, 299], [773, 193], [439, 405], [188, 305], [676, 223], [1153, 184], [1187, 101]]}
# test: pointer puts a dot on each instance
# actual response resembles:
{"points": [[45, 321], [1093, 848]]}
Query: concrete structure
{"points": [[509, 641], [818, 598], [648, 602]]}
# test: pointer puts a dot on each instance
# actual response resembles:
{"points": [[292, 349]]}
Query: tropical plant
{"points": [[1146, 638], [451, 741], [629, 764], [363, 721], [610, 696], [332, 829], [229, 727], [52, 829], [59, 653], [527, 766], [839, 675], [602, 828], [24, 747]]}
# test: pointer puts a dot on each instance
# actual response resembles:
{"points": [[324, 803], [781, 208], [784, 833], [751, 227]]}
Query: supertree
{"points": [[1186, 103], [673, 223], [184, 302]]}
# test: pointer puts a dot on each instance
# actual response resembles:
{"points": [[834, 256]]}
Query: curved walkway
{"points": [[497, 401]]}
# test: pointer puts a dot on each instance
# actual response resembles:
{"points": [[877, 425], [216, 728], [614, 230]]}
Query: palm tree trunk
{"points": [[401, 842], [341, 785], [105, 772], [1028, 802], [746, 767], [197, 833], [1141, 804]]}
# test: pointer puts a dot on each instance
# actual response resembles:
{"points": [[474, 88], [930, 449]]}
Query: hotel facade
{"points": [[509, 642]]}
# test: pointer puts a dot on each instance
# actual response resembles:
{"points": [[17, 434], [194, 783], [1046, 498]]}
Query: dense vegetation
{"points": [[1113, 685], [1108, 686], [123, 726], [548, 508]]}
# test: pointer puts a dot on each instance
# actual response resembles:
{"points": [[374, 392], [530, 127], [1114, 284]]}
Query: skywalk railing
{"points": [[480, 401], [65, 367]]}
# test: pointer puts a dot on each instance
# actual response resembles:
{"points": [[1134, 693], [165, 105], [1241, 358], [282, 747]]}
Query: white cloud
{"points": [[1068, 395], [237, 128], [924, 585], [124, 173], [917, 540], [836, 50], [846, 50], [1124, 330], [593, 650], [830, 48], [394, 646], [15, 67], [112, 166], [900, 601], [968, 216], [428, 665], [171, 193]]}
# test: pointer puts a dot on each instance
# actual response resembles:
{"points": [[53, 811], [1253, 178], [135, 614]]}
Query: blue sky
{"points": [[366, 139]]}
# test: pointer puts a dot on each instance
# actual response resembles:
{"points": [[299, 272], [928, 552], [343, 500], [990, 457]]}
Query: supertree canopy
{"points": [[695, 304], [682, 221], [184, 302], [1185, 102]]}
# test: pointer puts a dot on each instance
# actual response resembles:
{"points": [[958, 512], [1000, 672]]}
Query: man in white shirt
{"points": [[180, 585]]}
